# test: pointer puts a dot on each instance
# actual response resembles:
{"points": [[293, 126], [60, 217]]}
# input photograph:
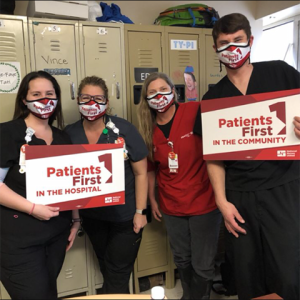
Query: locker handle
{"points": [[72, 90], [118, 90]]}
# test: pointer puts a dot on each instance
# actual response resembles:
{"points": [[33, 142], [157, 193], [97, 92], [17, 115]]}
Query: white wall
{"points": [[145, 12]]}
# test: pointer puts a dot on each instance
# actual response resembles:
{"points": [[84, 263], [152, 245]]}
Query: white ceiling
{"points": [[281, 15]]}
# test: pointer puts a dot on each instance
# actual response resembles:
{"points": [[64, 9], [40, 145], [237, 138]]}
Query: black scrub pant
{"points": [[266, 260], [33, 274], [194, 241], [116, 246]]}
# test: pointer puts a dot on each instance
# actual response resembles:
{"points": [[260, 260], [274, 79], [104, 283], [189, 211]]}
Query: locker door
{"points": [[183, 51], [14, 61], [144, 52], [73, 277], [98, 277], [102, 56], [54, 49], [3, 293], [212, 64]]}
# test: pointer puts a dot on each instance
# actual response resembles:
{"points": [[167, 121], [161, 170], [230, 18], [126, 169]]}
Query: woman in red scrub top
{"points": [[172, 133]]}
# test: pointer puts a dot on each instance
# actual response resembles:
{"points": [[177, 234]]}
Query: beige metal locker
{"points": [[14, 61], [154, 255], [3, 292], [54, 48], [183, 55], [145, 50], [144, 54], [102, 54], [74, 276], [210, 62]]}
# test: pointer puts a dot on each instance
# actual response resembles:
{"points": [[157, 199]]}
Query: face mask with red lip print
{"points": [[42, 108], [91, 110], [161, 102], [234, 55]]}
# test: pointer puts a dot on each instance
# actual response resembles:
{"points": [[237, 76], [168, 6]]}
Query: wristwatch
{"points": [[141, 211]]}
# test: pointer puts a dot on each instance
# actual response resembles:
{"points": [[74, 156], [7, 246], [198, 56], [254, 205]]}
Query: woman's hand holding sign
{"points": [[44, 212]]}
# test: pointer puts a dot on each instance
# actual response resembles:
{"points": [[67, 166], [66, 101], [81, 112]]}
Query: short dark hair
{"points": [[230, 24], [21, 110], [95, 81]]}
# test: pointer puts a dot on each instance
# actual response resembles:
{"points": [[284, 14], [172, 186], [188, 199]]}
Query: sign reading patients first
{"points": [[252, 127], [75, 176]]}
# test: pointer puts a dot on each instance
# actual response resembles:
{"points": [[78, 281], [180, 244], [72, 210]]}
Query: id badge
{"points": [[173, 162], [22, 161], [120, 140]]}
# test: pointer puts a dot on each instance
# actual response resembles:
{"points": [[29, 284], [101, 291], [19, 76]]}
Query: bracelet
{"points": [[31, 211], [76, 220]]}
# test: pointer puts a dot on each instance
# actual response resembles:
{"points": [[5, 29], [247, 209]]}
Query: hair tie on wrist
{"points": [[31, 211], [76, 220]]}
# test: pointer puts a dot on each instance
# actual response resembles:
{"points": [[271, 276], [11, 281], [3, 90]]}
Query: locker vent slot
{"points": [[216, 62], [184, 59], [102, 47], [8, 46], [68, 273], [145, 58], [151, 248], [55, 45]]}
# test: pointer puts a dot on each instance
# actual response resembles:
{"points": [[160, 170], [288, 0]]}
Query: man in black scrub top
{"points": [[260, 203]]}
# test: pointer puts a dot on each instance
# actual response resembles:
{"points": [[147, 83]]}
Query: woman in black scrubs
{"points": [[114, 231], [34, 237]]}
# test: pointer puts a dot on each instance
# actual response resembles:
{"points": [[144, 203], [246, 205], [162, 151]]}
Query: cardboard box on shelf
{"points": [[58, 9]]}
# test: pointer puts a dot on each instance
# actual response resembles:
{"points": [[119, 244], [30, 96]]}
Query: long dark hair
{"points": [[21, 111], [146, 115]]}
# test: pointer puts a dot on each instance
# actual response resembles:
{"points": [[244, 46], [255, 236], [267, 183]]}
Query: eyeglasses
{"points": [[85, 98]]}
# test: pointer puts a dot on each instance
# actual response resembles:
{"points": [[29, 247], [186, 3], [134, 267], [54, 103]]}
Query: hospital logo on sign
{"points": [[281, 153], [108, 199]]}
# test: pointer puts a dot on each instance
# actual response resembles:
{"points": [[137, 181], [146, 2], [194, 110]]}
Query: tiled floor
{"points": [[176, 293]]}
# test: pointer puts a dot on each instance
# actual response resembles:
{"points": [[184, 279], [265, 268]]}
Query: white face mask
{"points": [[161, 102], [42, 108], [92, 111], [234, 55]]}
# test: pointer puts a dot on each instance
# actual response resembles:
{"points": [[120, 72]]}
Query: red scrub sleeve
{"points": [[150, 166]]}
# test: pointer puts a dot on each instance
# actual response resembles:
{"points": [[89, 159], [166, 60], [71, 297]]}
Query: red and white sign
{"points": [[75, 176], [252, 127]]}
